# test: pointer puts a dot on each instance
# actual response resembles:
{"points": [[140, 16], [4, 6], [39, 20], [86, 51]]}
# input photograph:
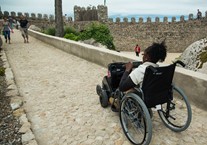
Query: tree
{"points": [[58, 19]]}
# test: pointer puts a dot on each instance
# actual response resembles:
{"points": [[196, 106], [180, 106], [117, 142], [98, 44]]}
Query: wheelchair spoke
{"points": [[167, 115], [176, 114], [135, 121], [133, 114]]}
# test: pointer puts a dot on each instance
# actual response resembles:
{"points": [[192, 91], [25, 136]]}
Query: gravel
{"points": [[9, 124]]}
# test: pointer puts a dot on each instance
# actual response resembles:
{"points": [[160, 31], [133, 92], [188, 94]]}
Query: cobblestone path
{"points": [[62, 105]]}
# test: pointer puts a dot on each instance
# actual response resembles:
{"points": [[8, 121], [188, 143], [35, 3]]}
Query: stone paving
{"points": [[63, 108]]}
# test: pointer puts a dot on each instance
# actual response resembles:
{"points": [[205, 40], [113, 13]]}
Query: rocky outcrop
{"points": [[195, 56], [93, 42]]}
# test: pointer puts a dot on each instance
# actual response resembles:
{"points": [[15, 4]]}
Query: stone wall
{"points": [[91, 13], [40, 20], [179, 34], [32, 16]]}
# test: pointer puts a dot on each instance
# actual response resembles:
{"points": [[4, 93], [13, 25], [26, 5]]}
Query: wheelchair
{"points": [[134, 107]]}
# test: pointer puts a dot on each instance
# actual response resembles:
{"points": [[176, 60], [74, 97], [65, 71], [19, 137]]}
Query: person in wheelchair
{"points": [[135, 88], [157, 52]]}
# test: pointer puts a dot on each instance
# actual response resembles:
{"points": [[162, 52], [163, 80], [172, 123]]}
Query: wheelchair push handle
{"points": [[135, 64], [179, 62]]}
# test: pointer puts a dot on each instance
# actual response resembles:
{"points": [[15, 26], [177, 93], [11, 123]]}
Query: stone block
{"points": [[16, 103], [27, 137]]}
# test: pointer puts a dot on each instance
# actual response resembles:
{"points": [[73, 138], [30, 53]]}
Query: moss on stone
{"points": [[203, 57], [2, 71]]}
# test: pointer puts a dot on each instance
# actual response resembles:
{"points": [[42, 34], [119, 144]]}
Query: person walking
{"points": [[1, 26], [199, 14], [24, 28], [6, 30], [137, 50]]}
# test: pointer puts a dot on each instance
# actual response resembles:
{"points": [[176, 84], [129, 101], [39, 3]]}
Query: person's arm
{"points": [[10, 27], [19, 23], [1, 24], [126, 82], [28, 24]]}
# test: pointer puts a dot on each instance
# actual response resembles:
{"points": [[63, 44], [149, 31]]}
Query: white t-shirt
{"points": [[137, 75]]}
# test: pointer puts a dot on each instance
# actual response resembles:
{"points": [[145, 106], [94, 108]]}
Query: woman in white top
{"points": [[6, 30], [157, 52]]}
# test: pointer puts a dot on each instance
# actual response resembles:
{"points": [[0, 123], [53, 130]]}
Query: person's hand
{"points": [[129, 66]]}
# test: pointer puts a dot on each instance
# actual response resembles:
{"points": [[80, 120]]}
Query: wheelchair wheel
{"points": [[135, 120], [178, 116], [102, 96]]}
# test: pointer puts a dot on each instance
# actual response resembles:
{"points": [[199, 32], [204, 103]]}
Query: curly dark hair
{"points": [[157, 52]]}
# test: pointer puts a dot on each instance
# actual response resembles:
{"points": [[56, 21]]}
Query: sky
{"points": [[120, 8]]}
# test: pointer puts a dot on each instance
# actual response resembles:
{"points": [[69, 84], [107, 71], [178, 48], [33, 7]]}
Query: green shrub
{"points": [[100, 33], [71, 36], [50, 31], [68, 30]]}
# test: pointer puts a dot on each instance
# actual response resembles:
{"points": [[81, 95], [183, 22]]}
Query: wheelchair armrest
{"points": [[179, 62]]}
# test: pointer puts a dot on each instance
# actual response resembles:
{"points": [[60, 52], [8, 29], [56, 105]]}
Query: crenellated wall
{"points": [[33, 16], [179, 34], [91, 13]]}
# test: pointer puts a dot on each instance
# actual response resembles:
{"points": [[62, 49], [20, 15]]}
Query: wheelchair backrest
{"points": [[157, 85]]}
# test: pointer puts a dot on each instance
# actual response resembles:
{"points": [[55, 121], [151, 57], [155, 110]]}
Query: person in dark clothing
{"points": [[199, 14], [24, 28], [131, 78]]}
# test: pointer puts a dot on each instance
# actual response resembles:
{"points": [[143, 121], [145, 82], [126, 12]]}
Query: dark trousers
{"points": [[7, 35]]}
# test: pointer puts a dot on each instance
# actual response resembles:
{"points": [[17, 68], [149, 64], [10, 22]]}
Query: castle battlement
{"points": [[157, 19], [99, 13], [179, 33], [32, 16]]}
